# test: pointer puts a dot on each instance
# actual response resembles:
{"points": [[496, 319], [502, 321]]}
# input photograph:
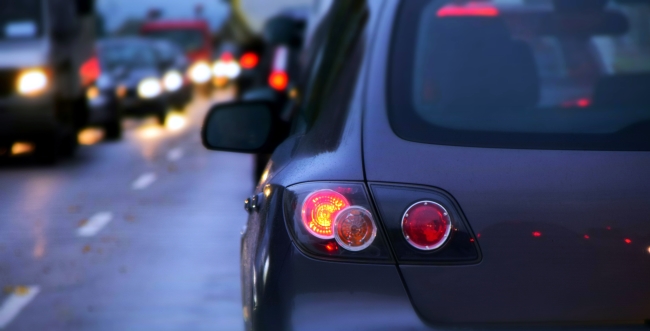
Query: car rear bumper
{"points": [[180, 98], [134, 106], [103, 109], [310, 294], [27, 118], [321, 295]]}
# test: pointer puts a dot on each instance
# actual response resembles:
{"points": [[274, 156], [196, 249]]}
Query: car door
{"points": [[323, 145]]}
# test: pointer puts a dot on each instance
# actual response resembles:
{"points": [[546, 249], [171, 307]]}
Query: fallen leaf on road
{"points": [[21, 290]]}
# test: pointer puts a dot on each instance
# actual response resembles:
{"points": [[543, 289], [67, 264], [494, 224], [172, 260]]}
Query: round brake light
{"points": [[426, 225], [278, 80], [354, 229], [249, 60], [319, 210]]}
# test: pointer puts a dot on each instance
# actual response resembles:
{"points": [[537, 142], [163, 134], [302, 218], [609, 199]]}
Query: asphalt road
{"points": [[140, 234]]}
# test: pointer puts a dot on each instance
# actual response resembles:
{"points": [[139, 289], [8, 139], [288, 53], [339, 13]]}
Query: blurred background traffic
{"points": [[92, 63], [114, 216]]}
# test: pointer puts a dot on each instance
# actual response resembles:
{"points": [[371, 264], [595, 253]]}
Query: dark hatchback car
{"points": [[134, 77], [452, 164]]}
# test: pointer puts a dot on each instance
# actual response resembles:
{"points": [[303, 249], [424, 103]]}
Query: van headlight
{"points": [[200, 73], [32, 82], [149, 88], [173, 80]]}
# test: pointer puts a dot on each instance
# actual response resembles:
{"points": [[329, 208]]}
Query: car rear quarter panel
{"points": [[585, 206]]}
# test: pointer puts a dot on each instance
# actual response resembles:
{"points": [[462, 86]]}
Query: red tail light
{"points": [[426, 225], [470, 9], [249, 60], [319, 210], [226, 57], [90, 71], [334, 221], [279, 80]]}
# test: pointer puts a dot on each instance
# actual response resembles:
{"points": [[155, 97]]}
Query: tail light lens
{"points": [[226, 57], [354, 229], [426, 225], [334, 221], [278, 80], [90, 70], [471, 9], [319, 210], [249, 60]]}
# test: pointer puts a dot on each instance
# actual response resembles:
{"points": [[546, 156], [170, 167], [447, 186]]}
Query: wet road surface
{"points": [[140, 234]]}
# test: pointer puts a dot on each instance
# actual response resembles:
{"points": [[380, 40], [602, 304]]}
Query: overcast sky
{"points": [[116, 11]]}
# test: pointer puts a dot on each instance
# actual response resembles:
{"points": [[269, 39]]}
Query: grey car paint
{"points": [[283, 289], [506, 195], [564, 234]]}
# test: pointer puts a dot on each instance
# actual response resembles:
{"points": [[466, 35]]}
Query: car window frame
{"points": [[324, 59]]}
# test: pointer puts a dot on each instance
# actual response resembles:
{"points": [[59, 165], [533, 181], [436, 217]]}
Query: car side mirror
{"points": [[245, 127]]}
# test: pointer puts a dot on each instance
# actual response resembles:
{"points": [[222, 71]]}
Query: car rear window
{"points": [[114, 54], [189, 39], [537, 74]]}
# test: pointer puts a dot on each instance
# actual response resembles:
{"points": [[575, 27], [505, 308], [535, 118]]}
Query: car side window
{"points": [[330, 61]]}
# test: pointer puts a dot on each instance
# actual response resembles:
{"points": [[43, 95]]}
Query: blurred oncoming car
{"points": [[454, 164]]}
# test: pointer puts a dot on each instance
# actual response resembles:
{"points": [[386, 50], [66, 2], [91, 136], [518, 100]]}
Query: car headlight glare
{"points": [[32, 82], [200, 72], [172, 81], [149, 88], [228, 69]]}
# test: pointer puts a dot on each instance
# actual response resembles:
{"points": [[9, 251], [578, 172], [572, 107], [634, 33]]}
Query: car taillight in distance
{"points": [[335, 221], [354, 229], [249, 60], [278, 80]]}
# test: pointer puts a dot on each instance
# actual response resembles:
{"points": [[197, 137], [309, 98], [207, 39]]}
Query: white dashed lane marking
{"points": [[175, 154], [94, 224], [19, 298], [143, 181]]}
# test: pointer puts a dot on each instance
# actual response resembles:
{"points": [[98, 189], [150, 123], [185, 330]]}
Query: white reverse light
{"points": [[149, 88]]}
